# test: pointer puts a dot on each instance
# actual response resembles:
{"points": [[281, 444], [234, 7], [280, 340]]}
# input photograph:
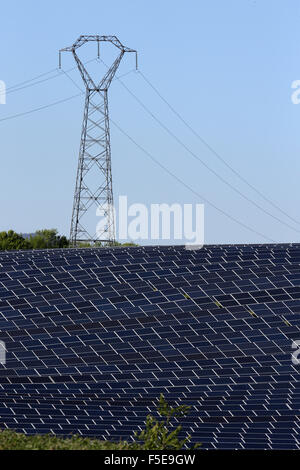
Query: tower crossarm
{"points": [[87, 79], [96, 38]]}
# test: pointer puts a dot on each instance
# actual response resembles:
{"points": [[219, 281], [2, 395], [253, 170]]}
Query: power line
{"points": [[20, 86], [65, 72], [29, 84], [174, 136], [179, 180], [170, 173], [40, 108], [54, 103], [145, 152], [31, 79], [207, 145]]}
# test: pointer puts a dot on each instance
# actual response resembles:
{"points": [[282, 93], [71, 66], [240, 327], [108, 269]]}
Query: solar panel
{"points": [[93, 336]]}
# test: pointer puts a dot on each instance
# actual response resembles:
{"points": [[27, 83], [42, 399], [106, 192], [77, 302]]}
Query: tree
{"points": [[48, 238], [62, 241], [13, 241]]}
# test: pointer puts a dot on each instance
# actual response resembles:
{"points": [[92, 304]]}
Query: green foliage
{"points": [[48, 239], [13, 241], [124, 244], [129, 244], [40, 240], [44, 239], [83, 245], [157, 434], [89, 245], [10, 440]]}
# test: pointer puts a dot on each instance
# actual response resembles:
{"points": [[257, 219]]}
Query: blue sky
{"points": [[227, 68]]}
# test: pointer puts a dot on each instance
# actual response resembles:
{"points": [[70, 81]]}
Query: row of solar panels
{"points": [[208, 254], [93, 337]]}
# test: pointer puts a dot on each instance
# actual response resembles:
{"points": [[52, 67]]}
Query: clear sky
{"points": [[226, 66]]}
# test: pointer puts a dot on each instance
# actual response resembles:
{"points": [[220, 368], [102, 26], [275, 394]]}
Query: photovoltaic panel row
{"points": [[93, 337]]}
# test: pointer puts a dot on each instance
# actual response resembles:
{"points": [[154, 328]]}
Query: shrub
{"points": [[157, 434], [13, 241]]}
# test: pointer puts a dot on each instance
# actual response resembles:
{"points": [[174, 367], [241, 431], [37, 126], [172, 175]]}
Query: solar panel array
{"points": [[93, 336]]}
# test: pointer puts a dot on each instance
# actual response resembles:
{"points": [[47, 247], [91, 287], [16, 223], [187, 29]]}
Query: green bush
{"points": [[42, 239], [13, 241], [47, 239], [157, 434], [10, 440]]}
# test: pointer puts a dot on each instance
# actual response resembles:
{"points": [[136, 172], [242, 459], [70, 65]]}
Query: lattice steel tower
{"points": [[95, 151]]}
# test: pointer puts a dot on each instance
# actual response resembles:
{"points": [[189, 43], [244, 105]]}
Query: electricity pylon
{"points": [[95, 150]]}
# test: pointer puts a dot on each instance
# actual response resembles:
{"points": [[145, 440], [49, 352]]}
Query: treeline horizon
{"points": [[41, 240]]}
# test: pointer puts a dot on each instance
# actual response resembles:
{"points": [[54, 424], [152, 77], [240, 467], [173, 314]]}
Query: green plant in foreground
{"points": [[157, 434]]}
